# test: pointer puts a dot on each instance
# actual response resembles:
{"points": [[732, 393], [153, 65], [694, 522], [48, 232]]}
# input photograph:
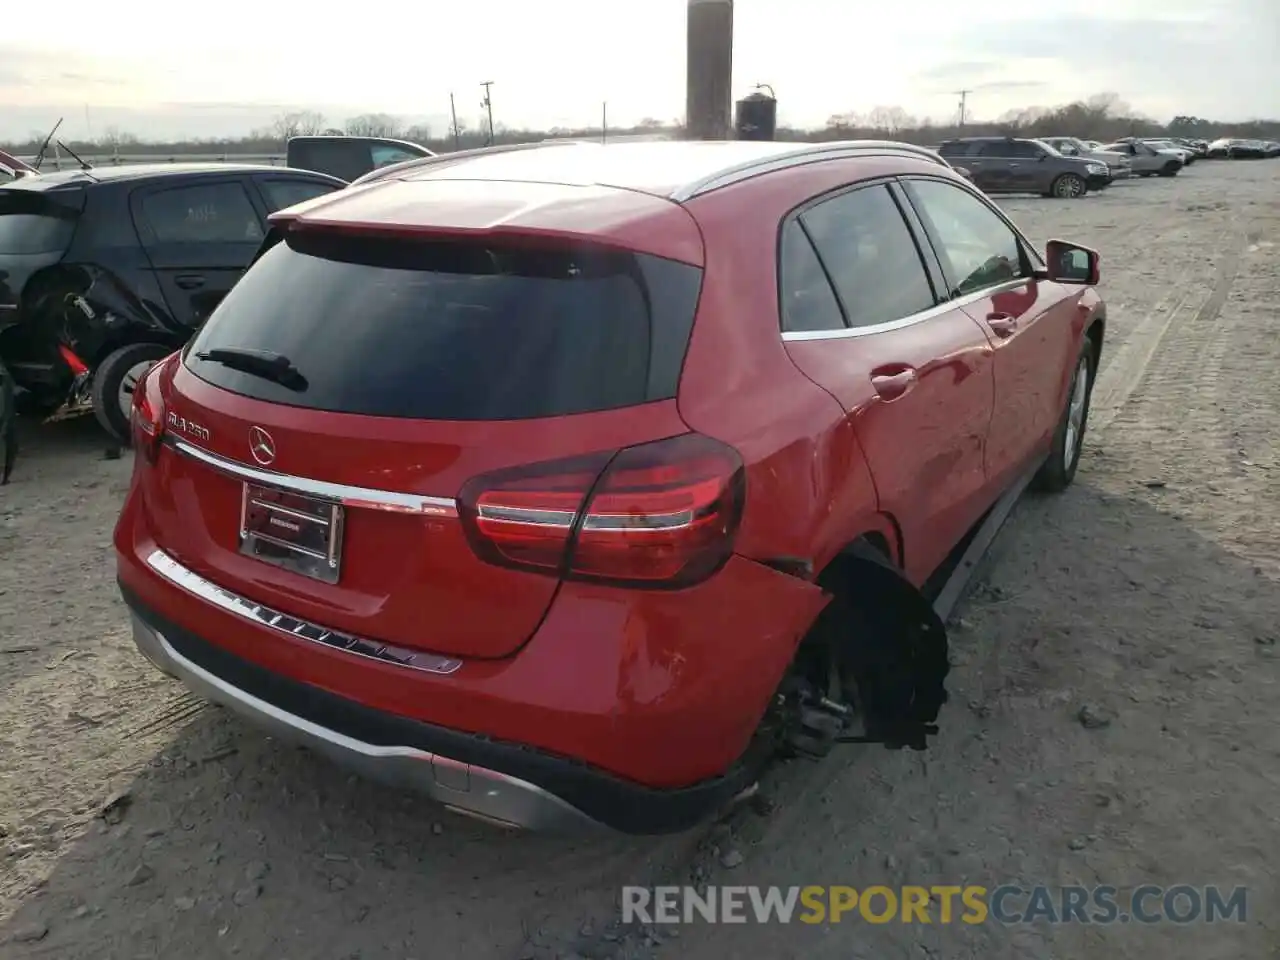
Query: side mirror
{"points": [[1071, 263]]}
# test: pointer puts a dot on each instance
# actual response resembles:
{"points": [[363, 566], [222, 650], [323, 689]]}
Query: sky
{"points": [[170, 72]]}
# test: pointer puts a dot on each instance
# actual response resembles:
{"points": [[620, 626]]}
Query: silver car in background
{"points": [[1188, 155], [1116, 161], [1147, 161]]}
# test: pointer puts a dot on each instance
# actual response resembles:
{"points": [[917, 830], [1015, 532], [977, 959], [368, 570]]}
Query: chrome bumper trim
{"points": [[463, 787], [264, 616], [362, 497]]}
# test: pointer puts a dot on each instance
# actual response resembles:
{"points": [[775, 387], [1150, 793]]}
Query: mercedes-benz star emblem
{"points": [[262, 446]]}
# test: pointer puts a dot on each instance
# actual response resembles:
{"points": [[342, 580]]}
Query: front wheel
{"points": [[1170, 170], [113, 384], [1059, 470], [1069, 186]]}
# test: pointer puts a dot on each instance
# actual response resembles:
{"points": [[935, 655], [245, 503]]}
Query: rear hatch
{"points": [[37, 224], [403, 368]]}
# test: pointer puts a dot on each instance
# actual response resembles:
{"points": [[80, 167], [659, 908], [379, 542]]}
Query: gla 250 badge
{"points": [[183, 425]]}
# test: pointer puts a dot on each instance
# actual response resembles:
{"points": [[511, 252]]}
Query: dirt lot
{"points": [[1148, 593]]}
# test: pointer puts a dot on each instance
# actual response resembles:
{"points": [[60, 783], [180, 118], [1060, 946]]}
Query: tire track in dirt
{"points": [[1125, 371]]}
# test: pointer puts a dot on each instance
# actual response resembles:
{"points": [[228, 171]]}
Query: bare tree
{"points": [[373, 125], [113, 138], [300, 123], [418, 133], [847, 121]]}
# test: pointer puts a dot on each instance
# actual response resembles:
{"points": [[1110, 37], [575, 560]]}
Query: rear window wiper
{"points": [[275, 367]]}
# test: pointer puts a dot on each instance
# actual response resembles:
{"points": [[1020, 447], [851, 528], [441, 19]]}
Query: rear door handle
{"points": [[1003, 325], [189, 281], [892, 382]]}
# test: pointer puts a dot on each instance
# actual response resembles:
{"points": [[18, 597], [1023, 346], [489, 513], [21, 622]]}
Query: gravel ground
{"points": [[136, 822]]}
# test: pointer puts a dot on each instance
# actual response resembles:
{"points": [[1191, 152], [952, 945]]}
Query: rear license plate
{"points": [[299, 533]]}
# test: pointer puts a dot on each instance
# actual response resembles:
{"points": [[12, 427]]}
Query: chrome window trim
{"points": [[804, 154], [923, 315], [365, 498], [165, 566]]}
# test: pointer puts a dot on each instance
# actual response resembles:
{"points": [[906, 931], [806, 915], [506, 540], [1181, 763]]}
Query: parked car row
{"points": [[1233, 149], [1063, 167]]}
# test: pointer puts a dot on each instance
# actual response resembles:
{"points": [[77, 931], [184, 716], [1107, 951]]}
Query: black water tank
{"points": [[755, 117]]}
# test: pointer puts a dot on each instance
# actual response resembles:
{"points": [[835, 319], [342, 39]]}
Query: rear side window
{"points": [[26, 233], [447, 330], [285, 193], [344, 159], [870, 255], [381, 155], [202, 213], [807, 301]]}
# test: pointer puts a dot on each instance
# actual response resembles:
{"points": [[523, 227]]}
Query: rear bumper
{"points": [[505, 783], [466, 787]]}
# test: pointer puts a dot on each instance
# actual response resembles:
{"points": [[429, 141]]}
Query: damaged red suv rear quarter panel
{"points": [[810, 489]]}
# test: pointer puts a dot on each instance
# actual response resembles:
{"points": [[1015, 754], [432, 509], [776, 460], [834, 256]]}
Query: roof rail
{"points": [[443, 158], [802, 154]]}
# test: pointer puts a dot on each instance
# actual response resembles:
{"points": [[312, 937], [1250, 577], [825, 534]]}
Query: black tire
{"points": [[110, 383], [1057, 472], [1170, 169], [8, 426], [1069, 186]]}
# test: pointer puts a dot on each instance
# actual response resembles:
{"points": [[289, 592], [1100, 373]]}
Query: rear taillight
{"points": [[660, 515], [147, 413]]}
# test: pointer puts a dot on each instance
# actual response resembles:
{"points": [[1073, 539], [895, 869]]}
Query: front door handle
{"points": [[1003, 325], [892, 382], [189, 281]]}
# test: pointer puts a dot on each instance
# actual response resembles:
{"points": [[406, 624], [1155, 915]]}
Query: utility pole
{"points": [[453, 110], [964, 102], [709, 69], [487, 103], [604, 121]]}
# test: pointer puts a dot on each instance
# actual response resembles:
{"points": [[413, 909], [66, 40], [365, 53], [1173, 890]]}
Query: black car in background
{"points": [[105, 271], [8, 429], [350, 157]]}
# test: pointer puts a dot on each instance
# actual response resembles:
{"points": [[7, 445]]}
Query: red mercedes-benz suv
{"points": [[571, 483]]}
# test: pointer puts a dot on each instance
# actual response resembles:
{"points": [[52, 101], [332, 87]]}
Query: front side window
{"points": [[978, 249], [202, 213], [869, 253]]}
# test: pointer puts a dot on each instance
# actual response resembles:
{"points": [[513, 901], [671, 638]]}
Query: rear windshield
{"points": [[440, 330], [26, 233]]}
